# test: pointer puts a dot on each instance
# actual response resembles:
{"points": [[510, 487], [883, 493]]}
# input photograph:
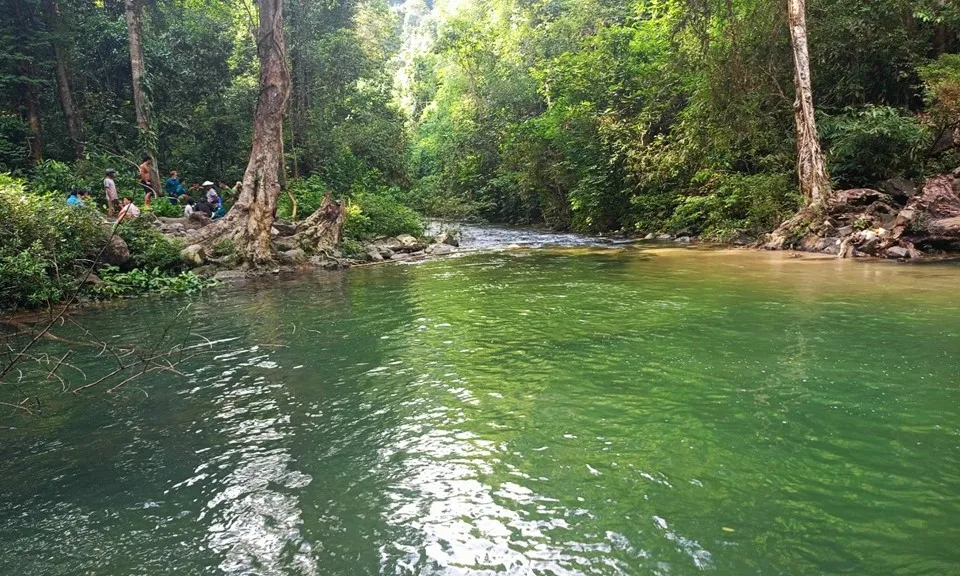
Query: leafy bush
{"points": [[163, 207], [874, 143], [149, 248], [135, 282], [14, 150], [308, 192], [372, 215], [942, 81], [45, 245], [727, 202], [54, 178]]}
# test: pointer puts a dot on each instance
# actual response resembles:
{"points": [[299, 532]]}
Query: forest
{"points": [[600, 117]]}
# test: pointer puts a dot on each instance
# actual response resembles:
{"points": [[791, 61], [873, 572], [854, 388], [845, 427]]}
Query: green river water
{"points": [[549, 412]]}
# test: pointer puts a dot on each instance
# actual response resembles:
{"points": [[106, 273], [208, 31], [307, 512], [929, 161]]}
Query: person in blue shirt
{"points": [[77, 197], [173, 186]]}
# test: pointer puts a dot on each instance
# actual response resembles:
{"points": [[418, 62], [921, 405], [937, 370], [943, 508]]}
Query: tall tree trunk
{"points": [[74, 126], [940, 34], [811, 167], [33, 122], [140, 102], [250, 220], [29, 95]]}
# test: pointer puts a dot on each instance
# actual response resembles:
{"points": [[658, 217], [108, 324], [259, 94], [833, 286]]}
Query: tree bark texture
{"points": [[322, 230], [250, 220], [132, 9], [70, 115], [811, 166]]}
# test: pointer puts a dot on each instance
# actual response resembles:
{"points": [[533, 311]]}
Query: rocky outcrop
{"points": [[901, 222], [116, 252]]}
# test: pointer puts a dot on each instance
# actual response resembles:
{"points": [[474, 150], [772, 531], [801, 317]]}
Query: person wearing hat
{"points": [[110, 188], [213, 198]]}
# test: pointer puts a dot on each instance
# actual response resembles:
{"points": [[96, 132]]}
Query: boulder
{"points": [[683, 240], [845, 231], [440, 249], [92, 280], [406, 240], [295, 256], [389, 243], [193, 255], [385, 252], [401, 256], [197, 220], [650, 236], [285, 243], [373, 253], [285, 228], [116, 253], [449, 237], [900, 189], [664, 236], [897, 253], [842, 200], [867, 242]]}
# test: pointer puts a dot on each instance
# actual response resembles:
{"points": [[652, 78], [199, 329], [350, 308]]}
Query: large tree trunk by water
{"points": [[250, 220], [74, 126], [811, 167], [322, 230], [132, 10]]}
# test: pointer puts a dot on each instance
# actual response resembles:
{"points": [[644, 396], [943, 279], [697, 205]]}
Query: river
{"points": [[578, 408]]}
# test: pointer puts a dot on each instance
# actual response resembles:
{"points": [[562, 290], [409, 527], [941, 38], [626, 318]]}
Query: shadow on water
{"points": [[569, 410]]}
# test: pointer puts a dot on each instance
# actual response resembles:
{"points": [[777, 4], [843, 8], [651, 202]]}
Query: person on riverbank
{"points": [[188, 207], [110, 189], [173, 187], [129, 210], [145, 183], [77, 197], [213, 197]]}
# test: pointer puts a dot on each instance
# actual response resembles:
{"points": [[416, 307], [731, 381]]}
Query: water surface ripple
{"points": [[554, 412]]}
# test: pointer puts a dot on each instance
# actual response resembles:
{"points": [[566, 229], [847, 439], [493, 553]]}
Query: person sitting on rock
{"points": [[128, 210], [188, 208]]}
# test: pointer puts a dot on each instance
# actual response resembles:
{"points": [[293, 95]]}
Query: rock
{"points": [[193, 254], [905, 216], [373, 253], [665, 237], [418, 253], [900, 189], [197, 220], [683, 240], [229, 275], [116, 253], [845, 231], [842, 201], [274, 232], [406, 240], [450, 238], [295, 256], [285, 228], [650, 236], [401, 256], [897, 252], [440, 249], [385, 252], [92, 280], [285, 243], [389, 243], [868, 241]]}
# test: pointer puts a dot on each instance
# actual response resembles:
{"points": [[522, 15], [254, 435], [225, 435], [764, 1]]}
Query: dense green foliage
{"points": [[47, 249], [45, 246], [140, 281], [669, 114], [587, 114]]}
